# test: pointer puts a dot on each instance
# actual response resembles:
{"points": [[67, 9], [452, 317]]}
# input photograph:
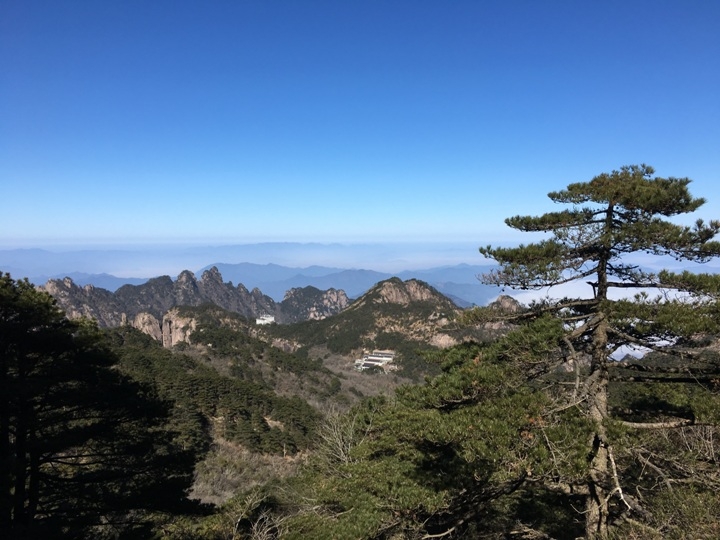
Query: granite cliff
{"points": [[149, 306]]}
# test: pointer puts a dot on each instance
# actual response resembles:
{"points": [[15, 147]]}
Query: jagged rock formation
{"points": [[176, 328], [170, 330], [393, 309], [87, 301], [309, 303], [148, 324], [149, 306]]}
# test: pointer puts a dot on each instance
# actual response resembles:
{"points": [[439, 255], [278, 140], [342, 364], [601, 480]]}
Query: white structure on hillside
{"points": [[377, 359], [265, 319]]}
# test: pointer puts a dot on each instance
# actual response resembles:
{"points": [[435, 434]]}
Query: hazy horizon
{"points": [[151, 261]]}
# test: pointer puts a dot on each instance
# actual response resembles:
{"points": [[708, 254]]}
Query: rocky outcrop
{"points": [[238, 299], [170, 330], [309, 303], [404, 293], [411, 308], [147, 323], [149, 307], [399, 292], [87, 301], [176, 328]]}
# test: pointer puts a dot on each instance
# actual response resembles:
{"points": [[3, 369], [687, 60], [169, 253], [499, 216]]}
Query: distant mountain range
{"points": [[150, 261], [136, 304], [276, 267], [459, 282], [395, 314]]}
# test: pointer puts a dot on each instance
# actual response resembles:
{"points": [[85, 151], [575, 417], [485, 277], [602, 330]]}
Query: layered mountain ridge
{"points": [[132, 304], [392, 311]]}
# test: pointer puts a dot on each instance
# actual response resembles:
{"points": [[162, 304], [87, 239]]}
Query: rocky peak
{"points": [[310, 303], [211, 275], [188, 291], [57, 287], [396, 291], [506, 304], [186, 277], [87, 301]]}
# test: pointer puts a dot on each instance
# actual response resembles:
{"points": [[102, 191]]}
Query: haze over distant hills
{"points": [[274, 268], [148, 261], [459, 282]]}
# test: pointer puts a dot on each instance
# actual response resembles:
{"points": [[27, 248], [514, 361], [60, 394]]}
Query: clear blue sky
{"points": [[340, 121]]}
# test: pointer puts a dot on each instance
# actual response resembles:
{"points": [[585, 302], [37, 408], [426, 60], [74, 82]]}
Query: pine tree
{"points": [[83, 449], [612, 217]]}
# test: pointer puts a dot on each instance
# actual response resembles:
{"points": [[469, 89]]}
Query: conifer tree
{"points": [[610, 218], [83, 449]]}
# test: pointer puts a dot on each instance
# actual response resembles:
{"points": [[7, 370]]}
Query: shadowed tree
{"points": [[611, 217], [83, 450]]}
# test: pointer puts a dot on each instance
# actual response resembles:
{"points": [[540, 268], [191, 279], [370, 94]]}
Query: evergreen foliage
{"points": [[455, 457], [84, 451], [238, 409], [613, 216]]}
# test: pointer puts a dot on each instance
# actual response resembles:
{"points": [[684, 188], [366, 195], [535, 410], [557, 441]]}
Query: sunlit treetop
{"points": [[612, 215]]}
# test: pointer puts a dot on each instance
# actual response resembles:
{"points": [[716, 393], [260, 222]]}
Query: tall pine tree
{"points": [[610, 218]]}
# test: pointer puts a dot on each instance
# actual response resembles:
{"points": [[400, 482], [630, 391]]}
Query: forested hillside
{"points": [[85, 450], [408, 317]]}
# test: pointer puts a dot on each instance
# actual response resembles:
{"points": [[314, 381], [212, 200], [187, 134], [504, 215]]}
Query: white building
{"points": [[378, 359], [265, 319]]}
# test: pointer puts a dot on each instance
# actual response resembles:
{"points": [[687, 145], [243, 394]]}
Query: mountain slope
{"points": [[405, 316]]}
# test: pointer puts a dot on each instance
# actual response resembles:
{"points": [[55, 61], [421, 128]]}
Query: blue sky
{"points": [[176, 122]]}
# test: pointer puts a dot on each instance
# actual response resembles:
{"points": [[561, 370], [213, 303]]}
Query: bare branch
{"points": [[670, 424]]}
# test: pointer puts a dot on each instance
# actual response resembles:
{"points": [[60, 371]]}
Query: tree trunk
{"points": [[596, 506]]}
